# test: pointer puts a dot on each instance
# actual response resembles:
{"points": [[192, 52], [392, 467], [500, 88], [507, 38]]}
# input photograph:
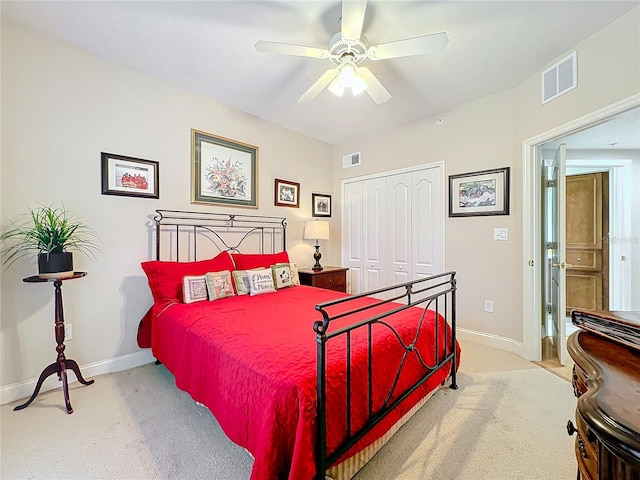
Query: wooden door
{"points": [[587, 246]]}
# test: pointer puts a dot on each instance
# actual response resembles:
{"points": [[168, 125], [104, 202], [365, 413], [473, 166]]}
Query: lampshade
{"points": [[316, 230]]}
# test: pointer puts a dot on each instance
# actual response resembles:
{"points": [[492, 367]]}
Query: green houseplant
{"points": [[51, 233]]}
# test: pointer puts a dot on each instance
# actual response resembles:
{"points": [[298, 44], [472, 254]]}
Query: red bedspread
{"points": [[252, 362]]}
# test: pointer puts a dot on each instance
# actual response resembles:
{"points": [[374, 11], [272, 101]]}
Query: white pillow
{"points": [[194, 289], [260, 281], [219, 285]]}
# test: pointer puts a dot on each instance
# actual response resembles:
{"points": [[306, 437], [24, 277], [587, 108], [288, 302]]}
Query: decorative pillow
{"points": [[295, 278], [165, 278], [247, 261], [194, 289], [219, 285], [241, 281], [260, 281], [281, 276]]}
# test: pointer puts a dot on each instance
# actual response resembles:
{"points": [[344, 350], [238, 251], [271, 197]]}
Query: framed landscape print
{"points": [[128, 176], [287, 194], [485, 192], [223, 171], [321, 205]]}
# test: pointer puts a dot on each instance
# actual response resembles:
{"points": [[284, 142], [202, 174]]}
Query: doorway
{"points": [[623, 252]]}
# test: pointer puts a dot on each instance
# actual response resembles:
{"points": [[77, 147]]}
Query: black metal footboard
{"points": [[436, 293]]}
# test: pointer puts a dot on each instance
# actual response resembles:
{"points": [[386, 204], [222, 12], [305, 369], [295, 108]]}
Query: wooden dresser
{"points": [[606, 380], [331, 278]]}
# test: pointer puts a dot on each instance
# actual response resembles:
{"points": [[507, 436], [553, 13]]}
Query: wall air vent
{"points": [[351, 160], [560, 78]]}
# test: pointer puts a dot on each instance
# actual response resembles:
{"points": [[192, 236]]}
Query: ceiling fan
{"points": [[348, 49]]}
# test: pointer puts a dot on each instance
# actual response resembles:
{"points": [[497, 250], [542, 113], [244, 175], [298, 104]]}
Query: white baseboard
{"points": [[16, 391], [490, 340]]}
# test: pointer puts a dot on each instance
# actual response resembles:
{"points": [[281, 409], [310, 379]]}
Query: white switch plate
{"points": [[488, 306], [68, 331], [501, 234]]}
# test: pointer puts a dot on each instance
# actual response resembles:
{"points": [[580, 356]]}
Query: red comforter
{"points": [[252, 362]]}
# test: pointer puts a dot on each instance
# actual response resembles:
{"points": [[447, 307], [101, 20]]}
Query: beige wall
{"points": [[61, 107], [489, 133]]}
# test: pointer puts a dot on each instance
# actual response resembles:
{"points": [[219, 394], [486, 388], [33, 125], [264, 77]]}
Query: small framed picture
{"points": [[287, 194], [223, 171], [485, 192], [132, 177], [321, 205]]}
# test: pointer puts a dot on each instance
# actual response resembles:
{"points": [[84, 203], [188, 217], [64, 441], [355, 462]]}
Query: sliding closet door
{"points": [[352, 225], [375, 226], [393, 227], [427, 222], [399, 228]]}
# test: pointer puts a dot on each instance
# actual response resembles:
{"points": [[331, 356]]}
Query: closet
{"points": [[393, 226]]}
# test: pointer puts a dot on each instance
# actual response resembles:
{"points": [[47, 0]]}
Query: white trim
{"points": [[388, 173], [17, 391], [490, 340], [532, 307]]}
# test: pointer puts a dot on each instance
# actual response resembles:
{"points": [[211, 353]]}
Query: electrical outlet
{"points": [[488, 306], [68, 331]]}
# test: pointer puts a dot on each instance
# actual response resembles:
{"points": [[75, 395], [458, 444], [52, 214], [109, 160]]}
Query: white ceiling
{"points": [[208, 47]]}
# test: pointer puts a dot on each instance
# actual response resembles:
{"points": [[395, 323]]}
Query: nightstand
{"points": [[330, 278]]}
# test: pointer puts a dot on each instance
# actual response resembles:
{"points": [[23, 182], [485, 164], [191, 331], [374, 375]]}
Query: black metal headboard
{"points": [[181, 234]]}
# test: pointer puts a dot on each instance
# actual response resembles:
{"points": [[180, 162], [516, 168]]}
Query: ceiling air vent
{"points": [[560, 78], [351, 160]]}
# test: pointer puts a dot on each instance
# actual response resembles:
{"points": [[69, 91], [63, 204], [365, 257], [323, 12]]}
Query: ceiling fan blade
{"points": [[376, 91], [352, 18], [287, 49], [320, 84], [433, 43]]}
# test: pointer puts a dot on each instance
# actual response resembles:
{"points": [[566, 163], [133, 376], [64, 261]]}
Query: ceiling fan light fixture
{"points": [[336, 88], [358, 86], [347, 75]]}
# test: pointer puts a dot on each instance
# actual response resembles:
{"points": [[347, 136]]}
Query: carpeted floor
{"points": [[506, 421]]}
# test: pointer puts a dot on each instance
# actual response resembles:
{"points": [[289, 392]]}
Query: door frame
{"points": [[531, 219]]}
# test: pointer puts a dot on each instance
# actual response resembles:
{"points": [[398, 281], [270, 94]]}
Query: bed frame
{"points": [[268, 235]]}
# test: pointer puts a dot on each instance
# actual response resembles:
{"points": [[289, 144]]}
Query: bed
{"points": [[311, 382]]}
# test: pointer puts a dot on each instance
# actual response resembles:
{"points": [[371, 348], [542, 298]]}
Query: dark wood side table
{"points": [[62, 363], [330, 278]]}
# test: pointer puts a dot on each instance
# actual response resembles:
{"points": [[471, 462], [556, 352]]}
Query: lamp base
{"points": [[317, 256]]}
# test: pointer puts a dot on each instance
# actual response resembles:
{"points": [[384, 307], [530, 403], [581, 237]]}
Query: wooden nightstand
{"points": [[331, 278]]}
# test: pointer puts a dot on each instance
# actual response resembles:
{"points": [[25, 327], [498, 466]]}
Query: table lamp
{"points": [[316, 230]]}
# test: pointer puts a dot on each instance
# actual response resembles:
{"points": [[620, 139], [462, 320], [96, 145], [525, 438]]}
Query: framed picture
{"points": [[132, 177], [321, 205], [479, 193], [223, 171], [287, 194]]}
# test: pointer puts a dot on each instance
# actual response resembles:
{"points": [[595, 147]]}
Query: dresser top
{"points": [[611, 404]]}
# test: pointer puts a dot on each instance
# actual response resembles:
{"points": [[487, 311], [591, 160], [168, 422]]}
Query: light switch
{"points": [[501, 234]]}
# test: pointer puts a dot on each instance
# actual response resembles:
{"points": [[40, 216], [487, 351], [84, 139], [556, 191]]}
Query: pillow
{"points": [[241, 281], [295, 278], [260, 281], [194, 289], [165, 278], [281, 276], [219, 285], [247, 261]]}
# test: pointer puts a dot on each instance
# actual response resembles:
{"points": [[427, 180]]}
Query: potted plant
{"points": [[51, 233]]}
